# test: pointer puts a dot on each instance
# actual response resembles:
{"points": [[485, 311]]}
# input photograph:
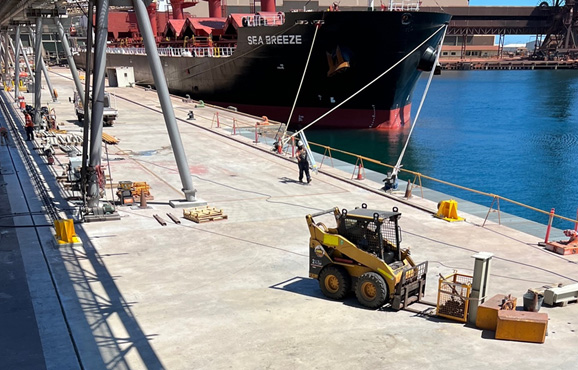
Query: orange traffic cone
{"points": [[360, 172]]}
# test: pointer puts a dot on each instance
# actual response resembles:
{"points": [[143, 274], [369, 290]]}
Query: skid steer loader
{"points": [[363, 253]]}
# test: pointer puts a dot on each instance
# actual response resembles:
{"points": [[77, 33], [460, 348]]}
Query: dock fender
{"points": [[427, 60]]}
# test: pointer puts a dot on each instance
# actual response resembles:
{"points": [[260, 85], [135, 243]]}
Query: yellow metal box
{"points": [[487, 316], [522, 326]]}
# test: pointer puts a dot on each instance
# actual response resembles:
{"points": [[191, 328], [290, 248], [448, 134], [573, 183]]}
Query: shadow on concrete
{"points": [[300, 285], [286, 180], [90, 299], [104, 305]]}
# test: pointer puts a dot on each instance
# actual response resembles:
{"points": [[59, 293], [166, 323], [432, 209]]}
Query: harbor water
{"points": [[508, 133]]}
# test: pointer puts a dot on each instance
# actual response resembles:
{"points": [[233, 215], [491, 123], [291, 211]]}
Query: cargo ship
{"points": [[256, 62]]}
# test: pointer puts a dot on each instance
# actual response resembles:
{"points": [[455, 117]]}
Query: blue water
{"points": [[509, 133]]}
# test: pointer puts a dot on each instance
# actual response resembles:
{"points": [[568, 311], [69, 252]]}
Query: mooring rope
{"points": [[364, 87], [398, 164], [317, 26]]}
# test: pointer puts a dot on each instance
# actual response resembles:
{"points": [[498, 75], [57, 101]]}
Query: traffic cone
{"points": [[360, 175]]}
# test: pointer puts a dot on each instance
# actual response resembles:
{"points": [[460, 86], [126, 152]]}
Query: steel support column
{"points": [[164, 98], [25, 59], [38, 72], [94, 160], [2, 55], [43, 65], [17, 64], [71, 65], [87, 113]]}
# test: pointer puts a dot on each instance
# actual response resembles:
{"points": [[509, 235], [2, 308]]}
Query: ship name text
{"points": [[274, 40]]}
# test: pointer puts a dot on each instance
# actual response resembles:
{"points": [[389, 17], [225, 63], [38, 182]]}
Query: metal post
{"points": [[37, 72], [164, 97], [2, 56], [87, 87], [479, 284], [70, 59], [42, 64], [549, 225], [8, 41], [25, 59], [17, 64], [95, 151]]}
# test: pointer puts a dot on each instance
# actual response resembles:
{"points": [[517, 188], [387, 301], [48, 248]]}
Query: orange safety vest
{"points": [[29, 122]]}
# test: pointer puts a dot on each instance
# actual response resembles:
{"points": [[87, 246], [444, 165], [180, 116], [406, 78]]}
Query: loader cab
{"points": [[376, 232]]}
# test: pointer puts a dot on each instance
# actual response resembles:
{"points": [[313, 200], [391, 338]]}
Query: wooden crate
{"points": [[522, 326], [487, 316], [204, 214]]}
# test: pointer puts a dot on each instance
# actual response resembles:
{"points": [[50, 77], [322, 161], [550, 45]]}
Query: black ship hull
{"points": [[351, 49]]}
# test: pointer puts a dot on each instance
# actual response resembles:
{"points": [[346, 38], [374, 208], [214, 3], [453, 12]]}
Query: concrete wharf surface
{"points": [[235, 293]]}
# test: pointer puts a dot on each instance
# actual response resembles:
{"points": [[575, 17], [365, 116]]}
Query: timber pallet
{"points": [[109, 139], [204, 214]]}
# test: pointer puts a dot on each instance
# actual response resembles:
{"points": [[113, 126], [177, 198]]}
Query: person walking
{"points": [[3, 135], [303, 163], [29, 127]]}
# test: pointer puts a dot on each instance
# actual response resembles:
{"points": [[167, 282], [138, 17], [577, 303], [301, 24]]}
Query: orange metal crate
{"points": [[454, 296]]}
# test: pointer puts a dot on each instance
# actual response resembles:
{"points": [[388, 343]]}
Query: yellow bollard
{"points": [[65, 234], [448, 210]]}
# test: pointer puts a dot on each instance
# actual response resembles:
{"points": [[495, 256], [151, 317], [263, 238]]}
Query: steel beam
{"points": [[94, 160], [42, 64], [164, 98], [71, 64], [87, 115], [17, 64], [38, 73], [25, 59]]}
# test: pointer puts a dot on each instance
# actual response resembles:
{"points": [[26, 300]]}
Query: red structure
{"points": [[268, 5], [178, 6], [215, 9]]}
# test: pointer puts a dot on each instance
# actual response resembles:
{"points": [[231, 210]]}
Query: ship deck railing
{"points": [[404, 5], [197, 51], [264, 20]]}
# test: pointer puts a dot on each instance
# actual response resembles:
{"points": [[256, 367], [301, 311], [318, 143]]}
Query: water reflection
{"points": [[511, 133]]}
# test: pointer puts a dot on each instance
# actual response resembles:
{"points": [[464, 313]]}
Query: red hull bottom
{"points": [[340, 119]]}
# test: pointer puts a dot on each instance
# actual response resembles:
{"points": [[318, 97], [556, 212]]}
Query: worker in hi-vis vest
{"points": [[29, 127]]}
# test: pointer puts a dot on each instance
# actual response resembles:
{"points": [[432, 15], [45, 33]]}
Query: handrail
{"points": [[195, 51], [327, 150]]}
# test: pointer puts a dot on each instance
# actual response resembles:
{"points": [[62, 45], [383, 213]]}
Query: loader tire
{"points": [[371, 290], [334, 282]]}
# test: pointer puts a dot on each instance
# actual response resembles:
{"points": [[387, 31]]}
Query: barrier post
{"points": [[234, 126], [280, 146], [256, 133], [218, 123], [293, 147], [549, 226]]}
